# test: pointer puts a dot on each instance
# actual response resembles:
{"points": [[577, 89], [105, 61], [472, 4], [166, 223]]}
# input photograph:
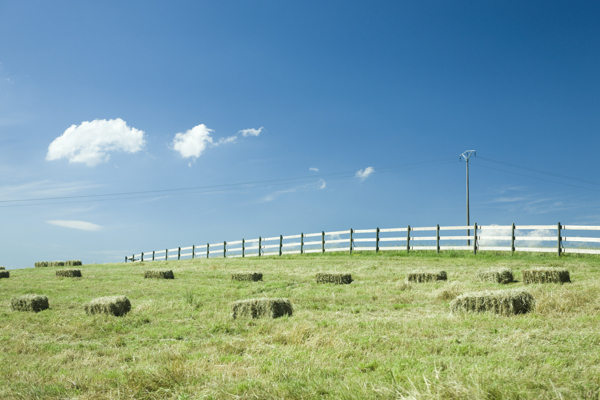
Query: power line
{"points": [[210, 188], [536, 177], [540, 171]]}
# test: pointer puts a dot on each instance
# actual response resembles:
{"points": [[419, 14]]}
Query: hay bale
{"points": [[159, 274], [68, 273], [73, 263], [339, 279], [41, 264], [247, 276], [2, 268], [495, 275], [546, 275], [4, 274], [257, 308], [29, 302], [56, 264], [504, 302], [113, 305], [426, 276]]}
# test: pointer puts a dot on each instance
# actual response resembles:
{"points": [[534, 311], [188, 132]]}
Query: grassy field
{"points": [[378, 337]]}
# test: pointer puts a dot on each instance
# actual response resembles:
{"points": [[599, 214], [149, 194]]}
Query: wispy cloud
{"points": [[364, 174], [92, 142], [314, 169], [251, 132], [192, 143], [44, 188], [318, 186], [80, 225]]}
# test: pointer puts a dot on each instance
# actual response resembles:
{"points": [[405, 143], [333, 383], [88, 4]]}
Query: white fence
{"points": [[528, 238]]}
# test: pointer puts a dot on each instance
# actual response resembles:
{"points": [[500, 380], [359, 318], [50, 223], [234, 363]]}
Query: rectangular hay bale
{"points": [[426, 276], [73, 263], [496, 275], [56, 264], [4, 274], [504, 302], [159, 274], [546, 275], [41, 264], [258, 308], [339, 279], [29, 302], [112, 305], [68, 273], [247, 276], [2, 268]]}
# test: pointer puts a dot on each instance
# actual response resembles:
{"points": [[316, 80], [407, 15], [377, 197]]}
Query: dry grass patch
{"points": [[504, 302], [426, 276], [496, 275], [340, 279], [68, 273], [113, 305], [257, 308], [159, 274], [29, 302], [247, 276], [449, 292], [4, 274], [546, 275]]}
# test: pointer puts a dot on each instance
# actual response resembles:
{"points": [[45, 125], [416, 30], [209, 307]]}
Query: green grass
{"points": [[378, 337]]}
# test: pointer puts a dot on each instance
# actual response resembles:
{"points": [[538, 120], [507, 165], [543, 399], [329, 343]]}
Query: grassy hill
{"points": [[378, 337]]}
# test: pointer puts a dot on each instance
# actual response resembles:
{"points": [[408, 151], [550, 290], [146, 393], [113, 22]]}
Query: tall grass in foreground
{"points": [[379, 337]]}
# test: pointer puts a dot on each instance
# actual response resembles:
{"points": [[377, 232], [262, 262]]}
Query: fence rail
{"points": [[513, 238]]}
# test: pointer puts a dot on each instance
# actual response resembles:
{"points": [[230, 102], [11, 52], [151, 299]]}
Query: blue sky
{"points": [[146, 96]]}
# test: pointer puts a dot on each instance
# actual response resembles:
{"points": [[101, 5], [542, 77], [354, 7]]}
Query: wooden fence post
{"points": [[207, 249], [302, 243], [166, 254], [243, 248], [153, 255], [438, 238], [280, 243], [475, 238], [193, 251], [259, 244], [142, 258], [559, 238], [350, 250], [179, 253], [224, 249], [322, 241], [377, 242], [512, 240], [125, 259], [408, 239]]}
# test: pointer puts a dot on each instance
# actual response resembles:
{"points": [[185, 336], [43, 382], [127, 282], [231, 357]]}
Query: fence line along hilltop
{"points": [[513, 238]]}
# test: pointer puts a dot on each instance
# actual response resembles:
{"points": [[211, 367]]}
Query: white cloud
{"points": [[195, 141], [81, 225], [314, 169], [488, 236], [323, 184], [92, 141], [251, 132], [364, 174]]}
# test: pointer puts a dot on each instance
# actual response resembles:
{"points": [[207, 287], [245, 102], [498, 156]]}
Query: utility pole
{"points": [[466, 155]]}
